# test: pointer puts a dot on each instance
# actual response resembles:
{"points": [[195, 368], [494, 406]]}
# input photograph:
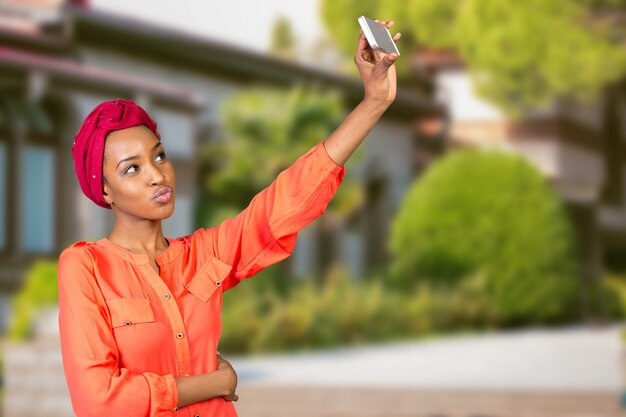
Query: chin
{"points": [[167, 210], [158, 212]]}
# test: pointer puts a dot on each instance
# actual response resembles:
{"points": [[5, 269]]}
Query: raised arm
{"points": [[265, 232], [378, 73]]}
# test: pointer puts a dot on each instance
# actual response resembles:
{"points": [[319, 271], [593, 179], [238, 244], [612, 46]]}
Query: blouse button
{"points": [[197, 415], [128, 322], [179, 335], [218, 283], [166, 296], [175, 409]]}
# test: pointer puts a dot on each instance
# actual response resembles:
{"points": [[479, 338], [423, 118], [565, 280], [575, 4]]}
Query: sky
{"points": [[245, 23]]}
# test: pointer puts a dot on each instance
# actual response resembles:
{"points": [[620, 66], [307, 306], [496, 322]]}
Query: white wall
{"points": [[456, 89]]}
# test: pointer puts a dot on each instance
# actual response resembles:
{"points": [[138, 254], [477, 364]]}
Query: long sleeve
{"points": [[265, 232], [97, 385]]}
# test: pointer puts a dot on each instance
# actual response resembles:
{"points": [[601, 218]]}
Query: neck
{"points": [[142, 237]]}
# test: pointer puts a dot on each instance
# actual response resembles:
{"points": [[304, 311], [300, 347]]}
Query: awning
{"points": [[80, 75]]}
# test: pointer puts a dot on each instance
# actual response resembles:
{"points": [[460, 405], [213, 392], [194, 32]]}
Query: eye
{"points": [[161, 155], [130, 169]]}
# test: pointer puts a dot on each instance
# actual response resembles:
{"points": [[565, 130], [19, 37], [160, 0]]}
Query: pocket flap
{"points": [[209, 278], [126, 311]]}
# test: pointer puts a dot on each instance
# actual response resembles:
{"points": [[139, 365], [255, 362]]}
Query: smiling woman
{"points": [[139, 313]]}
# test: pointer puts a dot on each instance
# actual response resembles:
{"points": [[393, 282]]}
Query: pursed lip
{"points": [[161, 191]]}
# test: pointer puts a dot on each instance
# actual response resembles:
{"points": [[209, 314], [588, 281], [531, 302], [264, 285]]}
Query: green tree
{"points": [[340, 20], [283, 42], [264, 132], [488, 214], [520, 54]]}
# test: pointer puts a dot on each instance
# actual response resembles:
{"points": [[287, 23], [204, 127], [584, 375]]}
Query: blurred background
{"points": [[471, 264]]}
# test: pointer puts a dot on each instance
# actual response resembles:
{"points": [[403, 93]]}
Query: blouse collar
{"points": [[167, 256]]}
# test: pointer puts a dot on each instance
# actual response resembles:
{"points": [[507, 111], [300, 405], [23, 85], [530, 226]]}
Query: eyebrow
{"points": [[137, 156]]}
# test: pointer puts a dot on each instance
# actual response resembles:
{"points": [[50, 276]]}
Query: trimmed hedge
{"points": [[490, 213]]}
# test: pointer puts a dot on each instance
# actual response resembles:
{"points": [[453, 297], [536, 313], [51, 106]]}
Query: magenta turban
{"points": [[88, 147]]}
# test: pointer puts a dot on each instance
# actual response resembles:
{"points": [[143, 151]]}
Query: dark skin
{"points": [[129, 186]]}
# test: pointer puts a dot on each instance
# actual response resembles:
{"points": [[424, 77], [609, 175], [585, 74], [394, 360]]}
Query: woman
{"points": [[139, 312]]}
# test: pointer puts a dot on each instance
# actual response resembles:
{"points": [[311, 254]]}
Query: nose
{"points": [[156, 175]]}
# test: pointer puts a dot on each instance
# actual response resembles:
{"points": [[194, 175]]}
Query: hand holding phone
{"points": [[378, 36], [376, 68]]}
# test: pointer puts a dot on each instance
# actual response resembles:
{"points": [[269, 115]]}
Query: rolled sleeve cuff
{"points": [[325, 161], [163, 393]]}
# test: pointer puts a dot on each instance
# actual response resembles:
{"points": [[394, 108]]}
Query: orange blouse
{"points": [[127, 332]]}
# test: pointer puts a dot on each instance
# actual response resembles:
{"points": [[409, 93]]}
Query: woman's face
{"points": [[135, 167]]}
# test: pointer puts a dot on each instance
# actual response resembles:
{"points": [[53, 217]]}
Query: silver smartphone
{"points": [[377, 35]]}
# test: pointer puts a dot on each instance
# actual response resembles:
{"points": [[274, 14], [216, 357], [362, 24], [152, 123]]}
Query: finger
{"points": [[396, 36], [387, 61], [232, 397], [363, 50], [362, 42], [390, 24], [381, 70]]}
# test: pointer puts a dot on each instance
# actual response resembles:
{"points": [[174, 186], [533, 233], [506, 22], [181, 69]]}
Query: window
{"points": [[37, 199]]}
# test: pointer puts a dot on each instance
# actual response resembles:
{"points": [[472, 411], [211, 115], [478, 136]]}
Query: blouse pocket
{"points": [[126, 311], [209, 278]]}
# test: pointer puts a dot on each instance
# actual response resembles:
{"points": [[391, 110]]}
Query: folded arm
{"points": [[98, 385]]}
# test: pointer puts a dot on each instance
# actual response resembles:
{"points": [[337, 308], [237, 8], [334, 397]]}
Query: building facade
{"points": [[58, 61]]}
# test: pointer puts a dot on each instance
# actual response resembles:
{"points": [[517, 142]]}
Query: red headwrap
{"points": [[88, 147]]}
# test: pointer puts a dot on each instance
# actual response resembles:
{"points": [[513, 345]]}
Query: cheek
{"points": [[128, 189], [170, 174]]}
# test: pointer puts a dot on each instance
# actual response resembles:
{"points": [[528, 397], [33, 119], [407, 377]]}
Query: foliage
{"points": [[520, 54], [265, 131], [489, 213], [344, 312], [40, 290], [608, 297], [283, 42], [340, 19]]}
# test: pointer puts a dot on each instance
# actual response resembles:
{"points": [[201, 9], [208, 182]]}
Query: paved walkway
{"points": [[573, 372], [568, 359]]}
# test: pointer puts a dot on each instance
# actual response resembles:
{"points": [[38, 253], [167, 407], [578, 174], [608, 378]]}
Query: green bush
{"points": [[491, 214], [608, 298], [40, 290], [342, 311]]}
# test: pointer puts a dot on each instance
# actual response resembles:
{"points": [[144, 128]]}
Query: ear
{"points": [[105, 191]]}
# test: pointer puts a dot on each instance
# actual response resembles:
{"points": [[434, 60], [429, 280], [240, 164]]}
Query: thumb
{"points": [[389, 59], [385, 63]]}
